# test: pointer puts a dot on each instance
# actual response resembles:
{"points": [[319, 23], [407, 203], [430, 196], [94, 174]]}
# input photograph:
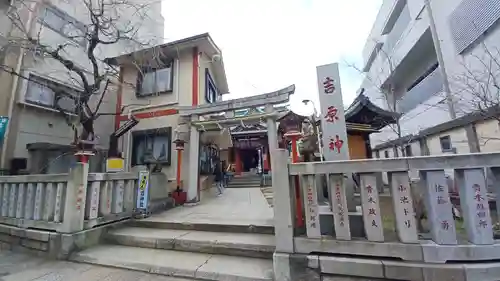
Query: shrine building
{"points": [[249, 143]]}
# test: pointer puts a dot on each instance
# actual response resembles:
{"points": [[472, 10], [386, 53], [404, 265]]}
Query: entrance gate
{"points": [[195, 119]]}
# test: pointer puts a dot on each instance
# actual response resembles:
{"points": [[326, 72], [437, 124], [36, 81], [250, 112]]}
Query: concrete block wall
{"points": [[49, 244], [288, 267]]}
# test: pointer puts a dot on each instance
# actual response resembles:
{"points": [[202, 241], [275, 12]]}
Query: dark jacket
{"points": [[218, 173]]}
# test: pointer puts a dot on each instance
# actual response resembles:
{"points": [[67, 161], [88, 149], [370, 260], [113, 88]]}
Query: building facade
{"points": [[155, 83], [411, 60], [160, 84], [38, 136]]}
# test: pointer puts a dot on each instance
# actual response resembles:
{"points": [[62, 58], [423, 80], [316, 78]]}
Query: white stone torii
{"points": [[193, 114]]}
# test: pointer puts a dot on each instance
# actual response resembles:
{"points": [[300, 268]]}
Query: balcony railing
{"points": [[427, 88]]}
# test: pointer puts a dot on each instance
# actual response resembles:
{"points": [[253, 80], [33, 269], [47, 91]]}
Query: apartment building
{"points": [[405, 73], [38, 135]]}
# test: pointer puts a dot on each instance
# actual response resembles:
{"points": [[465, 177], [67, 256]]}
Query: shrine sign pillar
{"points": [[334, 132]]}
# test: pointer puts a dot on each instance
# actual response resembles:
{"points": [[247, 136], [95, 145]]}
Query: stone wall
{"points": [[50, 244], [24, 240], [313, 267]]}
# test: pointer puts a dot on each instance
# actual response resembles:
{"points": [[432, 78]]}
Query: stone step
{"points": [[234, 226], [178, 264], [244, 185], [246, 180], [235, 244]]}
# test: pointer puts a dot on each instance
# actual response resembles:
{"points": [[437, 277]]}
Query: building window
{"points": [[386, 154], [43, 92], [64, 24], [422, 89], [445, 142], [152, 81], [211, 92], [408, 151], [397, 30], [155, 142], [423, 76]]}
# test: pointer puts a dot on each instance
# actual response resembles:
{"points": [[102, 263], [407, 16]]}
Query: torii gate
{"points": [[193, 120]]}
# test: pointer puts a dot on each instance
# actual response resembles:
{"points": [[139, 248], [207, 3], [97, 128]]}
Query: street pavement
{"points": [[237, 206], [22, 267]]}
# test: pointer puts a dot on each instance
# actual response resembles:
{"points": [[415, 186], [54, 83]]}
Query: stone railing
{"points": [[66, 203], [391, 246]]}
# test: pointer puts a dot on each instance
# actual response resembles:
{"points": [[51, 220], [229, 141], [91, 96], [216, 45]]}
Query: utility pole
{"points": [[439, 55]]}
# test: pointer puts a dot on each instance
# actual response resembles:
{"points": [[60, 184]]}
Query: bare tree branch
{"points": [[109, 22], [477, 88]]}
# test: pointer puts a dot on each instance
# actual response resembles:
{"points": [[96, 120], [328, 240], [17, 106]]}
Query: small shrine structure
{"points": [[250, 141]]}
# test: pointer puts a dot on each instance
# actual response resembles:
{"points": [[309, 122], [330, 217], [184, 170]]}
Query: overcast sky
{"points": [[270, 44]]}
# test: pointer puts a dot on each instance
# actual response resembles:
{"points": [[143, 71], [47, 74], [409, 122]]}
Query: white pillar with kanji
{"points": [[335, 146]]}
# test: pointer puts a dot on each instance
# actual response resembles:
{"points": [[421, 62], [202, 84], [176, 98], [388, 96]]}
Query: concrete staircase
{"points": [[202, 251], [246, 180]]}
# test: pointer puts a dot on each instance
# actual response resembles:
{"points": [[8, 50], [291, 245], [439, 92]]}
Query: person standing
{"points": [[219, 178], [225, 176]]}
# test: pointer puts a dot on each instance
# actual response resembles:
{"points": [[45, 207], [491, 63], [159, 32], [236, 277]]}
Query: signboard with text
{"points": [[333, 125], [143, 190]]}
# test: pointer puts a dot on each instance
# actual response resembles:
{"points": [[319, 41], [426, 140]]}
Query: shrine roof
{"points": [[355, 127], [362, 115], [258, 110], [252, 129], [351, 126], [363, 111], [292, 116]]}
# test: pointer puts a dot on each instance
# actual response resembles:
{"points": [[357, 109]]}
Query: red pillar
{"points": [[179, 195], [299, 218], [237, 160], [179, 168], [83, 158], [295, 153], [179, 146], [269, 160], [265, 155]]}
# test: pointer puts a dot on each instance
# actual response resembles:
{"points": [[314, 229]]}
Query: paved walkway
{"points": [[22, 267], [237, 206]]}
